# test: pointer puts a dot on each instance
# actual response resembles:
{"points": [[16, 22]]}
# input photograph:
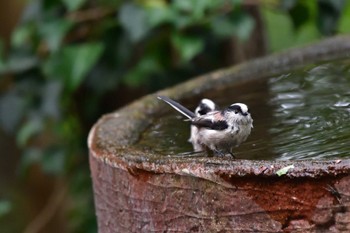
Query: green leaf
{"points": [[344, 22], [306, 34], [141, 72], [21, 35], [300, 14], [287, 4], [196, 6], [157, 16], [284, 170], [73, 5], [12, 107], [19, 63], [187, 46], [54, 32], [239, 2], [30, 157], [201, 7], [245, 26], [192, 12], [53, 161], [223, 26], [28, 130], [184, 5], [279, 29], [51, 96], [32, 11], [73, 63], [328, 15], [5, 207], [155, 3], [133, 19], [238, 24]]}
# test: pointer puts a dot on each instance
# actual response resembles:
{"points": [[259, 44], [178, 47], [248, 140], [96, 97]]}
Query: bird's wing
{"points": [[213, 121]]}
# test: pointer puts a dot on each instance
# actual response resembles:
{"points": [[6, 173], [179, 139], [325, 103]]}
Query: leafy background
{"points": [[66, 62]]}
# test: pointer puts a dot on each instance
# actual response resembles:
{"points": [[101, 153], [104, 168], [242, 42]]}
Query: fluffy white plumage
{"points": [[218, 131], [204, 106]]}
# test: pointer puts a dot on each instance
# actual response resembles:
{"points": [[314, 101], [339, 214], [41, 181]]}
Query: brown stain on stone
{"points": [[135, 200], [301, 203], [140, 174]]}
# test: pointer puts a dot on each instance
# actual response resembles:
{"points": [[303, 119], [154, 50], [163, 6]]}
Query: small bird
{"points": [[219, 130], [204, 106]]}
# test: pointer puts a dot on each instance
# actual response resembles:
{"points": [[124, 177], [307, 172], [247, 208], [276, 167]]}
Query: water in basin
{"points": [[303, 114]]}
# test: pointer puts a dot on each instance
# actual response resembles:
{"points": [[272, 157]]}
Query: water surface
{"points": [[303, 114]]}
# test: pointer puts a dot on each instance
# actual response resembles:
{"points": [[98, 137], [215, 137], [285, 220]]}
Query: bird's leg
{"points": [[210, 153], [224, 153], [219, 153]]}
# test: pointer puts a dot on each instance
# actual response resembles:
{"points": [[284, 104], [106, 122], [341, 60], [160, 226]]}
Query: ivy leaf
{"points": [[193, 11], [158, 16], [187, 46], [32, 12], [300, 14], [18, 63], [329, 13], [51, 95], [155, 3], [5, 207], [183, 5], [22, 35], [30, 156], [53, 160], [344, 22], [73, 63], [238, 24], [28, 130], [142, 71], [133, 19], [287, 4], [73, 5], [53, 32], [244, 27], [12, 107]]}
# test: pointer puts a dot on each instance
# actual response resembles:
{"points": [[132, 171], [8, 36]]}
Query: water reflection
{"points": [[300, 115], [311, 112]]}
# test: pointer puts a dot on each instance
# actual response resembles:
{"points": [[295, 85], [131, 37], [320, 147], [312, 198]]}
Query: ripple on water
{"points": [[300, 115]]}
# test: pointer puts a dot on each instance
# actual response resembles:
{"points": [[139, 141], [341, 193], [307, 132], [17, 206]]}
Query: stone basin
{"points": [[141, 191]]}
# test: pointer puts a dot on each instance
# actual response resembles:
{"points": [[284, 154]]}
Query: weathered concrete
{"points": [[138, 191]]}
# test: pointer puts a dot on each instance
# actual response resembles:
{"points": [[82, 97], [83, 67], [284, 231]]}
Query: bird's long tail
{"points": [[178, 107]]}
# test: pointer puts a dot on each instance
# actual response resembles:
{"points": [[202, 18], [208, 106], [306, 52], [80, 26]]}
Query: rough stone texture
{"points": [[136, 200], [146, 202], [137, 191]]}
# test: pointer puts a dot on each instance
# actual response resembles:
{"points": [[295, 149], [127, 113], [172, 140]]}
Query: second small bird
{"points": [[217, 130], [204, 106]]}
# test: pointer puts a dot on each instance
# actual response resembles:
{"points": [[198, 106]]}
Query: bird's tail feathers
{"points": [[178, 107]]}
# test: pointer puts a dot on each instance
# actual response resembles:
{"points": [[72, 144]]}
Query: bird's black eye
{"points": [[203, 109], [235, 108]]}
